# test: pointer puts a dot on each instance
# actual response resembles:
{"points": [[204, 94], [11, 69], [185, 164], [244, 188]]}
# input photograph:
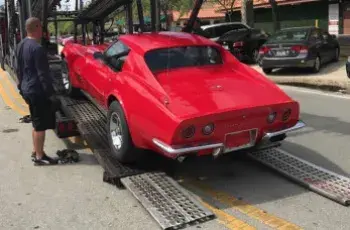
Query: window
{"points": [[289, 35], [116, 55], [316, 35], [115, 49], [180, 57]]}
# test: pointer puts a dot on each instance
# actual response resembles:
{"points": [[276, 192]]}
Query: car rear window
{"points": [[179, 57], [289, 35]]}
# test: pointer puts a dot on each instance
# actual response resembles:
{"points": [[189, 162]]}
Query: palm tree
{"points": [[275, 16], [247, 12]]}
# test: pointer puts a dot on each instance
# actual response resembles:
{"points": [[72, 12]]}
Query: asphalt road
{"points": [[243, 194]]}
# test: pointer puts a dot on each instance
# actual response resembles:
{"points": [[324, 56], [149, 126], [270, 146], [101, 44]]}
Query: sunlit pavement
{"points": [[242, 194]]}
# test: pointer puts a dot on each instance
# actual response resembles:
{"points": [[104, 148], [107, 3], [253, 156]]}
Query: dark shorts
{"points": [[41, 112]]}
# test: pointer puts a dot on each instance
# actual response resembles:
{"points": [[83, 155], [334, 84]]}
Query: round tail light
{"points": [[208, 129], [286, 114], [189, 132], [271, 117]]}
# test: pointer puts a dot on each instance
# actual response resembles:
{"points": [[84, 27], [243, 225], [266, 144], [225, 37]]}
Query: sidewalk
{"points": [[332, 77]]}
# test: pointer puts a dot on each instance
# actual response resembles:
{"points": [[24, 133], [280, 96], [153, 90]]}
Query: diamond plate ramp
{"points": [[317, 179], [169, 204]]}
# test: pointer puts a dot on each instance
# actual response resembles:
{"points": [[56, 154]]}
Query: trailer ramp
{"points": [[322, 181], [167, 202]]}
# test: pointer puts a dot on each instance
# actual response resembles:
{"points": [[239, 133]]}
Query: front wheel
{"points": [[119, 139]]}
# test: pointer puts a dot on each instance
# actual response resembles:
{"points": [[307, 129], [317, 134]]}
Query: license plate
{"points": [[236, 140], [281, 53]]}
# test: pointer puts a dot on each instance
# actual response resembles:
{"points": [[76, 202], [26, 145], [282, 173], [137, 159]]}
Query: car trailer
{"points": [[168, 203]]}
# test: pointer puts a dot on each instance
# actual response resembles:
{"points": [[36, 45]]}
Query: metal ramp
{"points": [[168, 203], [311, 176]]}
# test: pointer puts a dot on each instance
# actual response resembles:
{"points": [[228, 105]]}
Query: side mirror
{"points": [[98, 55]]}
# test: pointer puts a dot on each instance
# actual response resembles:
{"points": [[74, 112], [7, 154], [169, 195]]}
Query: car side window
{"points": [[315, 36], [116, 55], [326, 36], [115, 49]]}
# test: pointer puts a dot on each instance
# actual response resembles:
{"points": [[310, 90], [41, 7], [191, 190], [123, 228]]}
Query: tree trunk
{"points": [[275, 16], [247, 12]]}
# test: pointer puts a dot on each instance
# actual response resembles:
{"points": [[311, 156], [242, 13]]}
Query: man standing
{"points": [[35, 86]]}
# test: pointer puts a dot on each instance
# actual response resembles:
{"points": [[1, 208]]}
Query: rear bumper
{"points": [[217, 148], [269, 63]]}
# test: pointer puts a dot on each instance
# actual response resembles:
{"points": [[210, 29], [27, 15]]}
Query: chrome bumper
{"points": [[297, 126], [217, 147]]}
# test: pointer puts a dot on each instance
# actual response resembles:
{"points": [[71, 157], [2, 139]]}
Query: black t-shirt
{"points": [[33, 71]]}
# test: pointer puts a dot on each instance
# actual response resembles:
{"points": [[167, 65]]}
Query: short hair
{"points": [[32, 24]]}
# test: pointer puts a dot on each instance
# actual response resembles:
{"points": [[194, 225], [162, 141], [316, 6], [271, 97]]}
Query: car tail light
{"points": [[188, 132], [238, 44], [299, 49], [208, 129], [271, 117], [286, 114], [264, 50]]}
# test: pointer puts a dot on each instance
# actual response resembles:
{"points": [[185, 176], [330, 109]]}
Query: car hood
{"points": [[202, 91]]}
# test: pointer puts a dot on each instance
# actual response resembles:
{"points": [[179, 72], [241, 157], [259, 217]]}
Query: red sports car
{"points": [[177, 94]]}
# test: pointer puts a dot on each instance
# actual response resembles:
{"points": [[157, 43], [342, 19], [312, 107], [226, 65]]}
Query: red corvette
{"points": [[177, 94]]}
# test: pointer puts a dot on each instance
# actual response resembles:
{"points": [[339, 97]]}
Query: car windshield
{"points": [[179, 57], [289, 35]]}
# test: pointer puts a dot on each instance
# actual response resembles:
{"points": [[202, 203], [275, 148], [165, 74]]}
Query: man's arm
{"points": [[18, 67], [43, 70]]}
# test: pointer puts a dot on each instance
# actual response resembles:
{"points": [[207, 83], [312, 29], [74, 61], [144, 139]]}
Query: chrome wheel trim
{"points": [[65, 80], [115, 130]]}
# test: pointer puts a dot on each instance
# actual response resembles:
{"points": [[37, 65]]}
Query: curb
{"points": [[330, 86]]}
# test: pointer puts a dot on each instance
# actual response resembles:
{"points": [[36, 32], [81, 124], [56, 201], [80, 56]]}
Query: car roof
{"points": [[223, 24], [299, 27], [145, 42]]}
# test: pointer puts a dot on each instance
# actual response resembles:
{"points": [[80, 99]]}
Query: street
{"points": [[237, 190]]}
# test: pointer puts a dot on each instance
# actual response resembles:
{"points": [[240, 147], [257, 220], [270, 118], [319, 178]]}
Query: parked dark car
{"points": [[304, 47], [243, 41]]}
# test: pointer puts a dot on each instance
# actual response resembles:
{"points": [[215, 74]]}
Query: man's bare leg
{"points": [[39, 140]]}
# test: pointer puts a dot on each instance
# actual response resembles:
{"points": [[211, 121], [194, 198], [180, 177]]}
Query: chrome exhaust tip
{"points": [[216, 152], [181, 158]]}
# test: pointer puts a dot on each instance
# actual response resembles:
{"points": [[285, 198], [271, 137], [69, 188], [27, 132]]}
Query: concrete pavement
{"points": [[242, 194], [332, 77]]}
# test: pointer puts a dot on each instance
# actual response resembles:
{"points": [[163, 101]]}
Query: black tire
{"points": [[337, 54], [254, 56], [127, 153], [317, 65], [267, 70], [67, 87]]}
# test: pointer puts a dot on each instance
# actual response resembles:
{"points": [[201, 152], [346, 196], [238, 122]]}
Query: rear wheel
{"points": [[255, 56], [119, 139], [66, 82], [267, 70], [336, 55], [317, 65]]}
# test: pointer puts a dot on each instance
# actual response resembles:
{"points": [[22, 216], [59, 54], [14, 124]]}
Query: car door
{"points": [[331, 44], [107, 70], [318, 45]]}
